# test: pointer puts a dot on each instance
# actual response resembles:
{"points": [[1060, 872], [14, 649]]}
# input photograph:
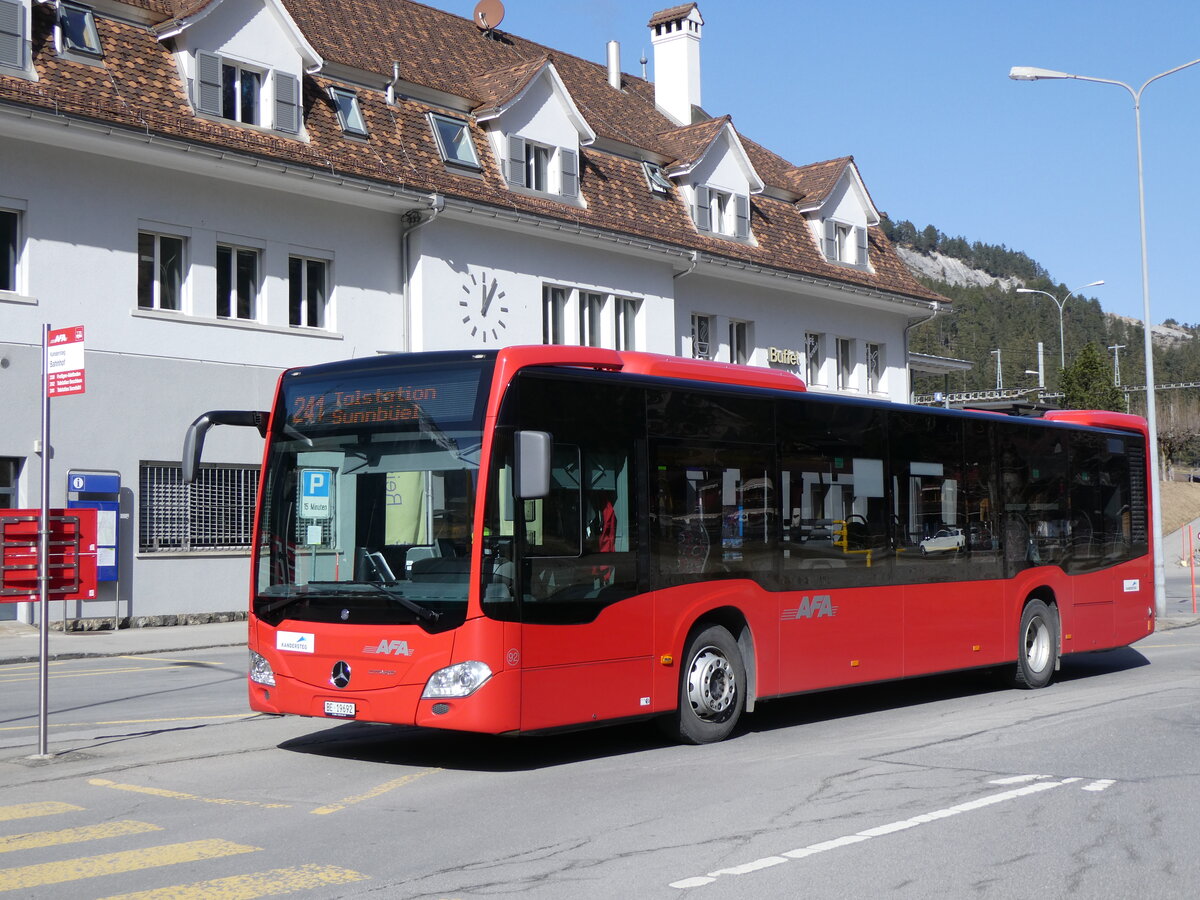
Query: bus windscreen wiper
{"points": [[421, 612]]}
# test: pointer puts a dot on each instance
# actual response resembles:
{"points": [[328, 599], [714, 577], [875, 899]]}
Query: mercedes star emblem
{"points": [[340, 677]]}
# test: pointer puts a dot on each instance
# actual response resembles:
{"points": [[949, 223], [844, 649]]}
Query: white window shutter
{"points": [[830, 242], [742, 201], [570, 172], [287, 103], [700, 213], [516, 161], [208, 83], [12, 34], [862, 245]]}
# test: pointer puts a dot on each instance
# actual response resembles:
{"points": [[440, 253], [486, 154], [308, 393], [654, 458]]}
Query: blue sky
{"points": [[919, 94]]}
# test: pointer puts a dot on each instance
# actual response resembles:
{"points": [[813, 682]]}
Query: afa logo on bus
{"points": [[811, 608]]}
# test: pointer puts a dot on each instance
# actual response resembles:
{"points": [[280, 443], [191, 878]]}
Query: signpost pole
{"points": [[44, 555]]}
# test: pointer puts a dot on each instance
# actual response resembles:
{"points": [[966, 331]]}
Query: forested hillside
{"points": [[993, 316]]}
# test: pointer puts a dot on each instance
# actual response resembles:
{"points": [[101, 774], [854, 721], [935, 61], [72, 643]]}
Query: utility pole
{"points": [[999, 371], [1116, 349]]}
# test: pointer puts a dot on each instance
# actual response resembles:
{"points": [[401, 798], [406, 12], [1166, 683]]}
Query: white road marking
{"points": [[1039, 783]]}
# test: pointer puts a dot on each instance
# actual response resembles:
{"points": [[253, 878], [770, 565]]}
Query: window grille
{"points": [[216, 512]]}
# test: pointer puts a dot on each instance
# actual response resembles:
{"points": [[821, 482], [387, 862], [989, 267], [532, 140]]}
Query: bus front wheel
{"points": [[712, 688], [1037, 646]]}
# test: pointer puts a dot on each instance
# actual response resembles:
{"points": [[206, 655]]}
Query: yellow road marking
{"points": [[30, 810], [132, 721], [256, 884], [42, 874], [36, 839], [180, 795], [374, 792], [21, 677]]}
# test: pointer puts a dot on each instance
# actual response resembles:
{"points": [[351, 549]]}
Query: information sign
{"points": [[64, 361]]}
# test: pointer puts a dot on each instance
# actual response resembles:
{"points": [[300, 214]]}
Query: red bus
{"points": [[539, 538]]}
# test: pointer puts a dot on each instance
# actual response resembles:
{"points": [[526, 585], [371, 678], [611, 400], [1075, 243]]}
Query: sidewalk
{"points": [[1179, 580], [20, 643]]}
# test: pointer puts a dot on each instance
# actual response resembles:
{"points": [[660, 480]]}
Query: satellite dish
{"points": [[489, 14]]}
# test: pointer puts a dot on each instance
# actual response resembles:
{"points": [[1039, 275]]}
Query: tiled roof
{"points": [[670, 15], [814, 182], [138, 87]]}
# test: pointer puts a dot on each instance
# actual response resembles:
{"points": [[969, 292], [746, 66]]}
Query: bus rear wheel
{"points": [[1037, 646], [712, 688]]}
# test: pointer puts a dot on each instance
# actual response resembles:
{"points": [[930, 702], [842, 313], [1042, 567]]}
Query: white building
{"points": [[220, 190]]}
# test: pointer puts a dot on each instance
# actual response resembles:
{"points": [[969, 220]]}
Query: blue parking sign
{"points": [[316, 491]]}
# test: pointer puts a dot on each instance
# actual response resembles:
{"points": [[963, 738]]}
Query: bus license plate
{"points": [[339, 709]]}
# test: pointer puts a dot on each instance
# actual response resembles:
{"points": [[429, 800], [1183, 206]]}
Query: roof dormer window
{"points": [[845, 243], [722, 213], [349, 113], [541, 168], [233, 90], [76, 30], [454, 141]]}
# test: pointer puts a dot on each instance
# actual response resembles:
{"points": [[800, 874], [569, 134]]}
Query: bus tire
{"points": [[1037, 646], [712, 688]]}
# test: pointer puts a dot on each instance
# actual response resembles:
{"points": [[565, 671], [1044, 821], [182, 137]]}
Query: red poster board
{"points": [[72, 556], [64, 362]]}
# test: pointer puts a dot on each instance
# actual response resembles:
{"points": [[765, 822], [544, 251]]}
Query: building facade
{"points": [[220, 190]]}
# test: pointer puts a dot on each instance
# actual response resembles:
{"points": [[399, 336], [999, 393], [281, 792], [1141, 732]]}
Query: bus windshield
{"points": [[369, 494]]}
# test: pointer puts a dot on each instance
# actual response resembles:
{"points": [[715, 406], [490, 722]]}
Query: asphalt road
{"points": [[940, 787]]}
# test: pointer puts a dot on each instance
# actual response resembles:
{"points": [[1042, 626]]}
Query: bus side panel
{"points": [[587, 671], [1091, 621], [954, 626], [678, 609]]}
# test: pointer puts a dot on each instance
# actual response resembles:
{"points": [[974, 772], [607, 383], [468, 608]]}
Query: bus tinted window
{"points": [[837, 526], [1036, 507]]}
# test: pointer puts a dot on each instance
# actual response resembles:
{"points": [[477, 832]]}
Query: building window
{"points": [[874, 367], [812, 358], [237, 282], [454, 141], [625, 312], [721, 212], [535, 166], [160, 271], [845, 364], [12, 34], [349, 113], [77, 27], [656, 178], [845, 243], [591, 313], [554, 315], [216, 512], [702, 327], [10, 245], [308, 291], [241, 93], [739, 351], [10, 469]]}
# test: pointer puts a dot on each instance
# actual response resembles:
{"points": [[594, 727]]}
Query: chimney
{"points": [[614, 65], [675, 34]]}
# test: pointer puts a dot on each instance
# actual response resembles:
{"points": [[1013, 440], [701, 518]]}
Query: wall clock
{"points": [[483, 311]]}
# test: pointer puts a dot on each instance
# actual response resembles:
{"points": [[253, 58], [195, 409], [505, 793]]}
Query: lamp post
{"points": [[1062, 351], [1032, 73]]}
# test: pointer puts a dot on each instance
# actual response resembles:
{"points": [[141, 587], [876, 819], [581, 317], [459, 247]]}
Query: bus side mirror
{"points": [[533, 464], [193, 441]]}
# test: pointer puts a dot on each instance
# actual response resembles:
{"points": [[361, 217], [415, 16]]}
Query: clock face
{"points": [[483, 309]]}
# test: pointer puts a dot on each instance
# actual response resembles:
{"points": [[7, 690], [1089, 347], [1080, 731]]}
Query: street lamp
{"points": [[1032, 73], [1062, 351]]}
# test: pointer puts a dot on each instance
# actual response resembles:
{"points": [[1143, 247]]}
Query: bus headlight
{"points": [[260, 670], [460, 680]]}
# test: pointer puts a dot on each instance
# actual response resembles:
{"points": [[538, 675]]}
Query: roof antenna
{"points": [[488, 15]]}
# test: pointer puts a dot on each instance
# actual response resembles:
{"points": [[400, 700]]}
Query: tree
{"points": [[1087, 383]]}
